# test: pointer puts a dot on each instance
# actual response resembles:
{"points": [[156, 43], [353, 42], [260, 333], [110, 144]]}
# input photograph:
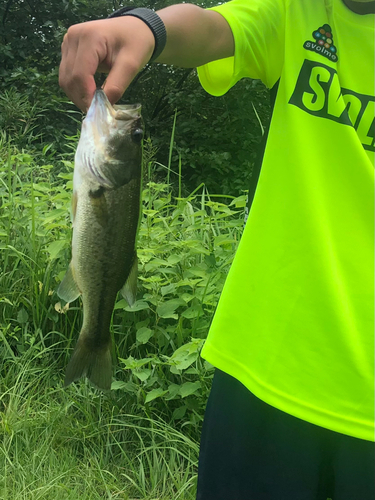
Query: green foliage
{"points": [[31, 96], [185, 247], [139, 441], [33, 211], [216, 138], [80, 444]]}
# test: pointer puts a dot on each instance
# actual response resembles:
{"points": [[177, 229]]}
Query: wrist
{"points": [[152, 20]]}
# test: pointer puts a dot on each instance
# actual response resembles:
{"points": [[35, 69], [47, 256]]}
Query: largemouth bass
{"points": [[106, 210]]}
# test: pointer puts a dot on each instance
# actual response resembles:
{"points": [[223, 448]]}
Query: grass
{"points": [[140, 441], [81, 444]]}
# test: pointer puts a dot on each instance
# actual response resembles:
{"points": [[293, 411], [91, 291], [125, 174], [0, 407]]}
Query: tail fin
{"points": [[95, 365]]}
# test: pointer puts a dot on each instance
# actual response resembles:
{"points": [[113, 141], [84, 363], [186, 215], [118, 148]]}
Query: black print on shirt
{"points": [[318, 92]]}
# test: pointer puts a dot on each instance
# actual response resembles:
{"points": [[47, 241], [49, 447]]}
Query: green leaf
{"points": [[139, 305], [192, 371], [56, 248], [181, 364], [126, 386], [193, 311], [142, 374], [117, 384], [187, 297], [68, 176], [42, 187], [55, 214], [155, 264], [189, 388], [155, 393], [179, 412], [173, 391], [22, 316], [168, 289], [239, 202], [223, 239], [185, 355], [190, 348], [132, 364], [174, 259], [144, 334], [210, 260], [121, 304], [167, 309]]}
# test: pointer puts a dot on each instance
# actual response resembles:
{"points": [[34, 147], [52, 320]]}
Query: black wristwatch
{"points": [[152, 20]]}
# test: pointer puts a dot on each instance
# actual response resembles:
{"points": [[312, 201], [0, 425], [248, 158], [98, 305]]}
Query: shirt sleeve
{"points": [[258, 28]]}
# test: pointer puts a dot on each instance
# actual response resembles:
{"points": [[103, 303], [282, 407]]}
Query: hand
{"points": [[120, 46]]}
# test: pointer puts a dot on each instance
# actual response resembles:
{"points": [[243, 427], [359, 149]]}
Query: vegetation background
{"points": [[140, 441]]}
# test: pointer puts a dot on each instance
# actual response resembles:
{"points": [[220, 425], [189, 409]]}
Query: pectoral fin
{"points": [[74, 205], [68, 289], [129, 290]]}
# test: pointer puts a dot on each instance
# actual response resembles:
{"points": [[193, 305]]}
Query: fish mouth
{"points": [[109, 135], [128, 107], [101, 109]]}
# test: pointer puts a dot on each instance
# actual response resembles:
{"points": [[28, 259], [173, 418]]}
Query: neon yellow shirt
{"points": [[295, 321]]}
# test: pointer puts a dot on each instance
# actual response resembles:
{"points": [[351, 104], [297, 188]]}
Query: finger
{"points": [[81, 86], [81, 52], [83, 94], [64, 63], [79, 89], [123, 71], [64, 45]]}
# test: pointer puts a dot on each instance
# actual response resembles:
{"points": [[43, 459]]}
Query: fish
{"points": [[106, 210]]}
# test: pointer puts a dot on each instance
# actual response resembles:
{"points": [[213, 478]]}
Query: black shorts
{"points": [[253, 451]]}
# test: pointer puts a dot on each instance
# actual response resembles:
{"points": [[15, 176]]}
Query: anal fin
{"points": [[129, 290], [68, 289]]}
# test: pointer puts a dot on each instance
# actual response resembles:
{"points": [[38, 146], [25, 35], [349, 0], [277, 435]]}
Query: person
{"points": [[291, 411]]}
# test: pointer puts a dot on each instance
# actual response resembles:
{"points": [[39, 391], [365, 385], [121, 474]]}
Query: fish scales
{"points": [[106, 211], [104, 253]]}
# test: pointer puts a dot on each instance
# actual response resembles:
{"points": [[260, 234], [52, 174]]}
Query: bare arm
{"points": [[195, 36], [122, 46]]}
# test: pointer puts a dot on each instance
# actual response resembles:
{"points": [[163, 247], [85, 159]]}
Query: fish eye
{"points": [[137, 135]]}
